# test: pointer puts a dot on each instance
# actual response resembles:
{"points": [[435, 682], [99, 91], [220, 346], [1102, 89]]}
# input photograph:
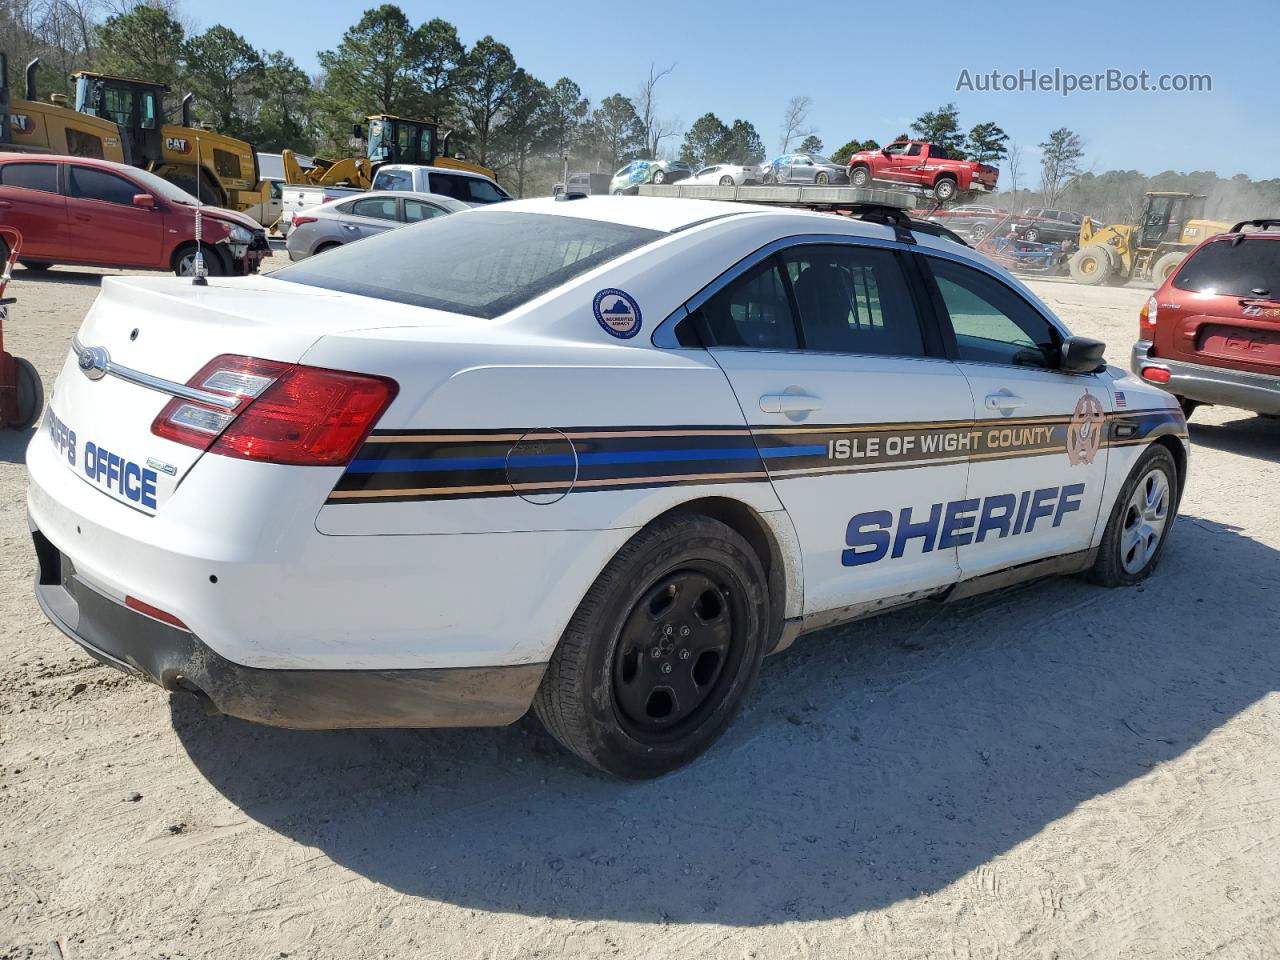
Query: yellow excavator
{"points": [[1170, 226], [391, 140], [30, 125], [226, 173]]}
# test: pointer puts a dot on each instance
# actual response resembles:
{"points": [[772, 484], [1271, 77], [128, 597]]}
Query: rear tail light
{"points": [[1155, 374], [282, 413], [1147, 319], [299, 221]]}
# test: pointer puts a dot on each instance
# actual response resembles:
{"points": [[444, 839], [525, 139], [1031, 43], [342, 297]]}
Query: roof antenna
{"points": [[198, 279]]}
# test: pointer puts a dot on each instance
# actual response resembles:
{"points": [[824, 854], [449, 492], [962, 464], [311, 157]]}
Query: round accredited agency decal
{"points": [[617, 312], [1084, 434]]}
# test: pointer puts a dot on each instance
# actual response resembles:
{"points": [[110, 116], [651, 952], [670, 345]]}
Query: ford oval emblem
{"points": [[94, 362]]}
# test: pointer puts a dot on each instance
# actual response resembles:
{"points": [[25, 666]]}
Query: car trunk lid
{"points": [[146, 337]]}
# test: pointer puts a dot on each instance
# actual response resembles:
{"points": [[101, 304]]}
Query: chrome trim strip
{"points": [[161, 385]]}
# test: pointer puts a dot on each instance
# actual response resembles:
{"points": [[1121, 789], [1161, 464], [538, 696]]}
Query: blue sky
{"points": [[870, 76]]}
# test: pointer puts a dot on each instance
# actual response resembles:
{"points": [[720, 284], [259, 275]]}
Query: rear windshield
{"points": [[1249, 268], [478, 264]]}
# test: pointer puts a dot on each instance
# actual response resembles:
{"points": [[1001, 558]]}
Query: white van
{"points": [[470, 188]]}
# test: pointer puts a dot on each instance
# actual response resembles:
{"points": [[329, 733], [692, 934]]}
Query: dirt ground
{"points": [[1059, 771]]}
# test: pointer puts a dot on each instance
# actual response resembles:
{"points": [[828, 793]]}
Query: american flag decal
{"points": [[1121, 402]]}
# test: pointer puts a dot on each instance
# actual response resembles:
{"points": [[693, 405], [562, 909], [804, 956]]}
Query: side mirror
{"points": [[144, 200], [1082, 355]]}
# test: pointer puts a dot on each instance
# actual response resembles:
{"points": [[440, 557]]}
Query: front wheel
{"points": [[35, 266], [1032, 235], [662, 650], [860, 176], [822, 179], [659, 177], [1140, 521], [726, 181], [1091, 266], [184, 262]]}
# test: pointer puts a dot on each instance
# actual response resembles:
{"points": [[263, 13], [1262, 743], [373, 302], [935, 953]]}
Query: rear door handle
{"points": [[790, 403], [83, 217], [1004, 401]]}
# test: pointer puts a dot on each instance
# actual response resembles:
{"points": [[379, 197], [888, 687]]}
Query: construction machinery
{"points": [[391, 139], [1170, 226], [226, 171], [29, 125]]}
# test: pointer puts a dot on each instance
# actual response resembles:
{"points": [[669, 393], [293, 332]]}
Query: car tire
{"points": [[30, 394], [860, 177], [767, 179], [822, 179], [979, 231], [214, 265], [944, 189], [35, 266], [726, 181], [1165, 267], [1090, 266], [659, 177], [1032, 235], [325, 248], [1188, 406], [1140, 521], [681, 613]]}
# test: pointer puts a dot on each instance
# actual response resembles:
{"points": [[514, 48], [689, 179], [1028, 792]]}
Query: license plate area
{"points": [[1243, 344]]}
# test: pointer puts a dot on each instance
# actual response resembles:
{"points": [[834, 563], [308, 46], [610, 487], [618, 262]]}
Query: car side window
{"points": [[993, 323], [380, 208], [895, 149], [394, 180], [93, 184], [939, 153], [913, 150], [31, 176], [481, 191], [853, 300], [415, 210], [752, 311], [449, 185]]}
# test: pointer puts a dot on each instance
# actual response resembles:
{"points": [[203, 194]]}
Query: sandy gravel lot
{"points": [[1059, 771]]}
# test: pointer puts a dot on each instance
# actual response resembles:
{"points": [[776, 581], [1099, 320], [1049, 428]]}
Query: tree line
{"points": [[500, 114]]}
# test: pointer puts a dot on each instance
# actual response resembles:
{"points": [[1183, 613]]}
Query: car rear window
{"points": [[30, 176], [1246, 268], [477, 264]]}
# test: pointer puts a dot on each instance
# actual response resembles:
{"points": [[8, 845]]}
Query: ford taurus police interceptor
{"points": [[599, 456]]}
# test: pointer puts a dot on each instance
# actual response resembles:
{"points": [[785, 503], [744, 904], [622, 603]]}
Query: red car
{"points": [[96, 213], [1211, 333], [922, 165]]}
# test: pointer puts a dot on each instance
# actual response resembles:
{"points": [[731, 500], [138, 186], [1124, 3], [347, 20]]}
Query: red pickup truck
{"points": [[923, 165]]}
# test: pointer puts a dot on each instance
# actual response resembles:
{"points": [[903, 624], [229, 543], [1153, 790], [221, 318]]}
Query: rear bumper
{"points": [[178, 660], [1258, 392]]}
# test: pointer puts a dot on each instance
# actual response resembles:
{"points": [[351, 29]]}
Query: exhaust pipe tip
{"points": [[31, 78], [181, 684]]}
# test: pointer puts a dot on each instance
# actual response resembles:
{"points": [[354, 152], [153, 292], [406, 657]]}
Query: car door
{"points": [[803, 169], [416, 211], [369, 216], [891, 162], [853, 410], [1040, 449], [30, 201], [106, 227]]}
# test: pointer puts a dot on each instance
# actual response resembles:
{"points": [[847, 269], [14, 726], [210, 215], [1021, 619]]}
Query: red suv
{"points": [[1211, 333], [97, 213]]}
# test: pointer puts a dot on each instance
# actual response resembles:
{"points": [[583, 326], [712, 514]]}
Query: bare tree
{"points": [[646, 101], [795, 121], [1059, 163], [1014, 162]]}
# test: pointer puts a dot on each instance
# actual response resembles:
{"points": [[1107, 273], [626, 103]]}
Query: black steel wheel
{"points": [[659, 656]]}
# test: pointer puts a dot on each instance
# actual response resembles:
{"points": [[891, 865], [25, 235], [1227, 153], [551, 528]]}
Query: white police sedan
{"points": [[600, 456]]}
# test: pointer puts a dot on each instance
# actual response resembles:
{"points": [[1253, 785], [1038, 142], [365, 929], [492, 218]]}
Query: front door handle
{"points": [[1004, 402], [83, 217], [790, 403]]}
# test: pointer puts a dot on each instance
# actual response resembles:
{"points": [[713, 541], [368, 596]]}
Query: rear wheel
{"points": [[860, 177], [327, 246], [659, 656], [35, 266], [659, 176], [822, 179], [1140, 521], [1091, 266], [30, 394], [1165, 267], [726, 181], [944, 189], [1188, 406]]}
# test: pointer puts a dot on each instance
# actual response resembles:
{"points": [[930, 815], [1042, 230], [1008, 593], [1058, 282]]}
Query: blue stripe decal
{"points": [[564, 460], [814, 450]]}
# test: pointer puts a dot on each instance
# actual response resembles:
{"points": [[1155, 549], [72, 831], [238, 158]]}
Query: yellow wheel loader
{"points": [[29, 125], [227, 172], [1170, 226], [391, 140]]}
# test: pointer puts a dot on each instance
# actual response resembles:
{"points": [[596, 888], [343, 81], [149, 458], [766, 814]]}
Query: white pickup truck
{"points": [[471, 188]]}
